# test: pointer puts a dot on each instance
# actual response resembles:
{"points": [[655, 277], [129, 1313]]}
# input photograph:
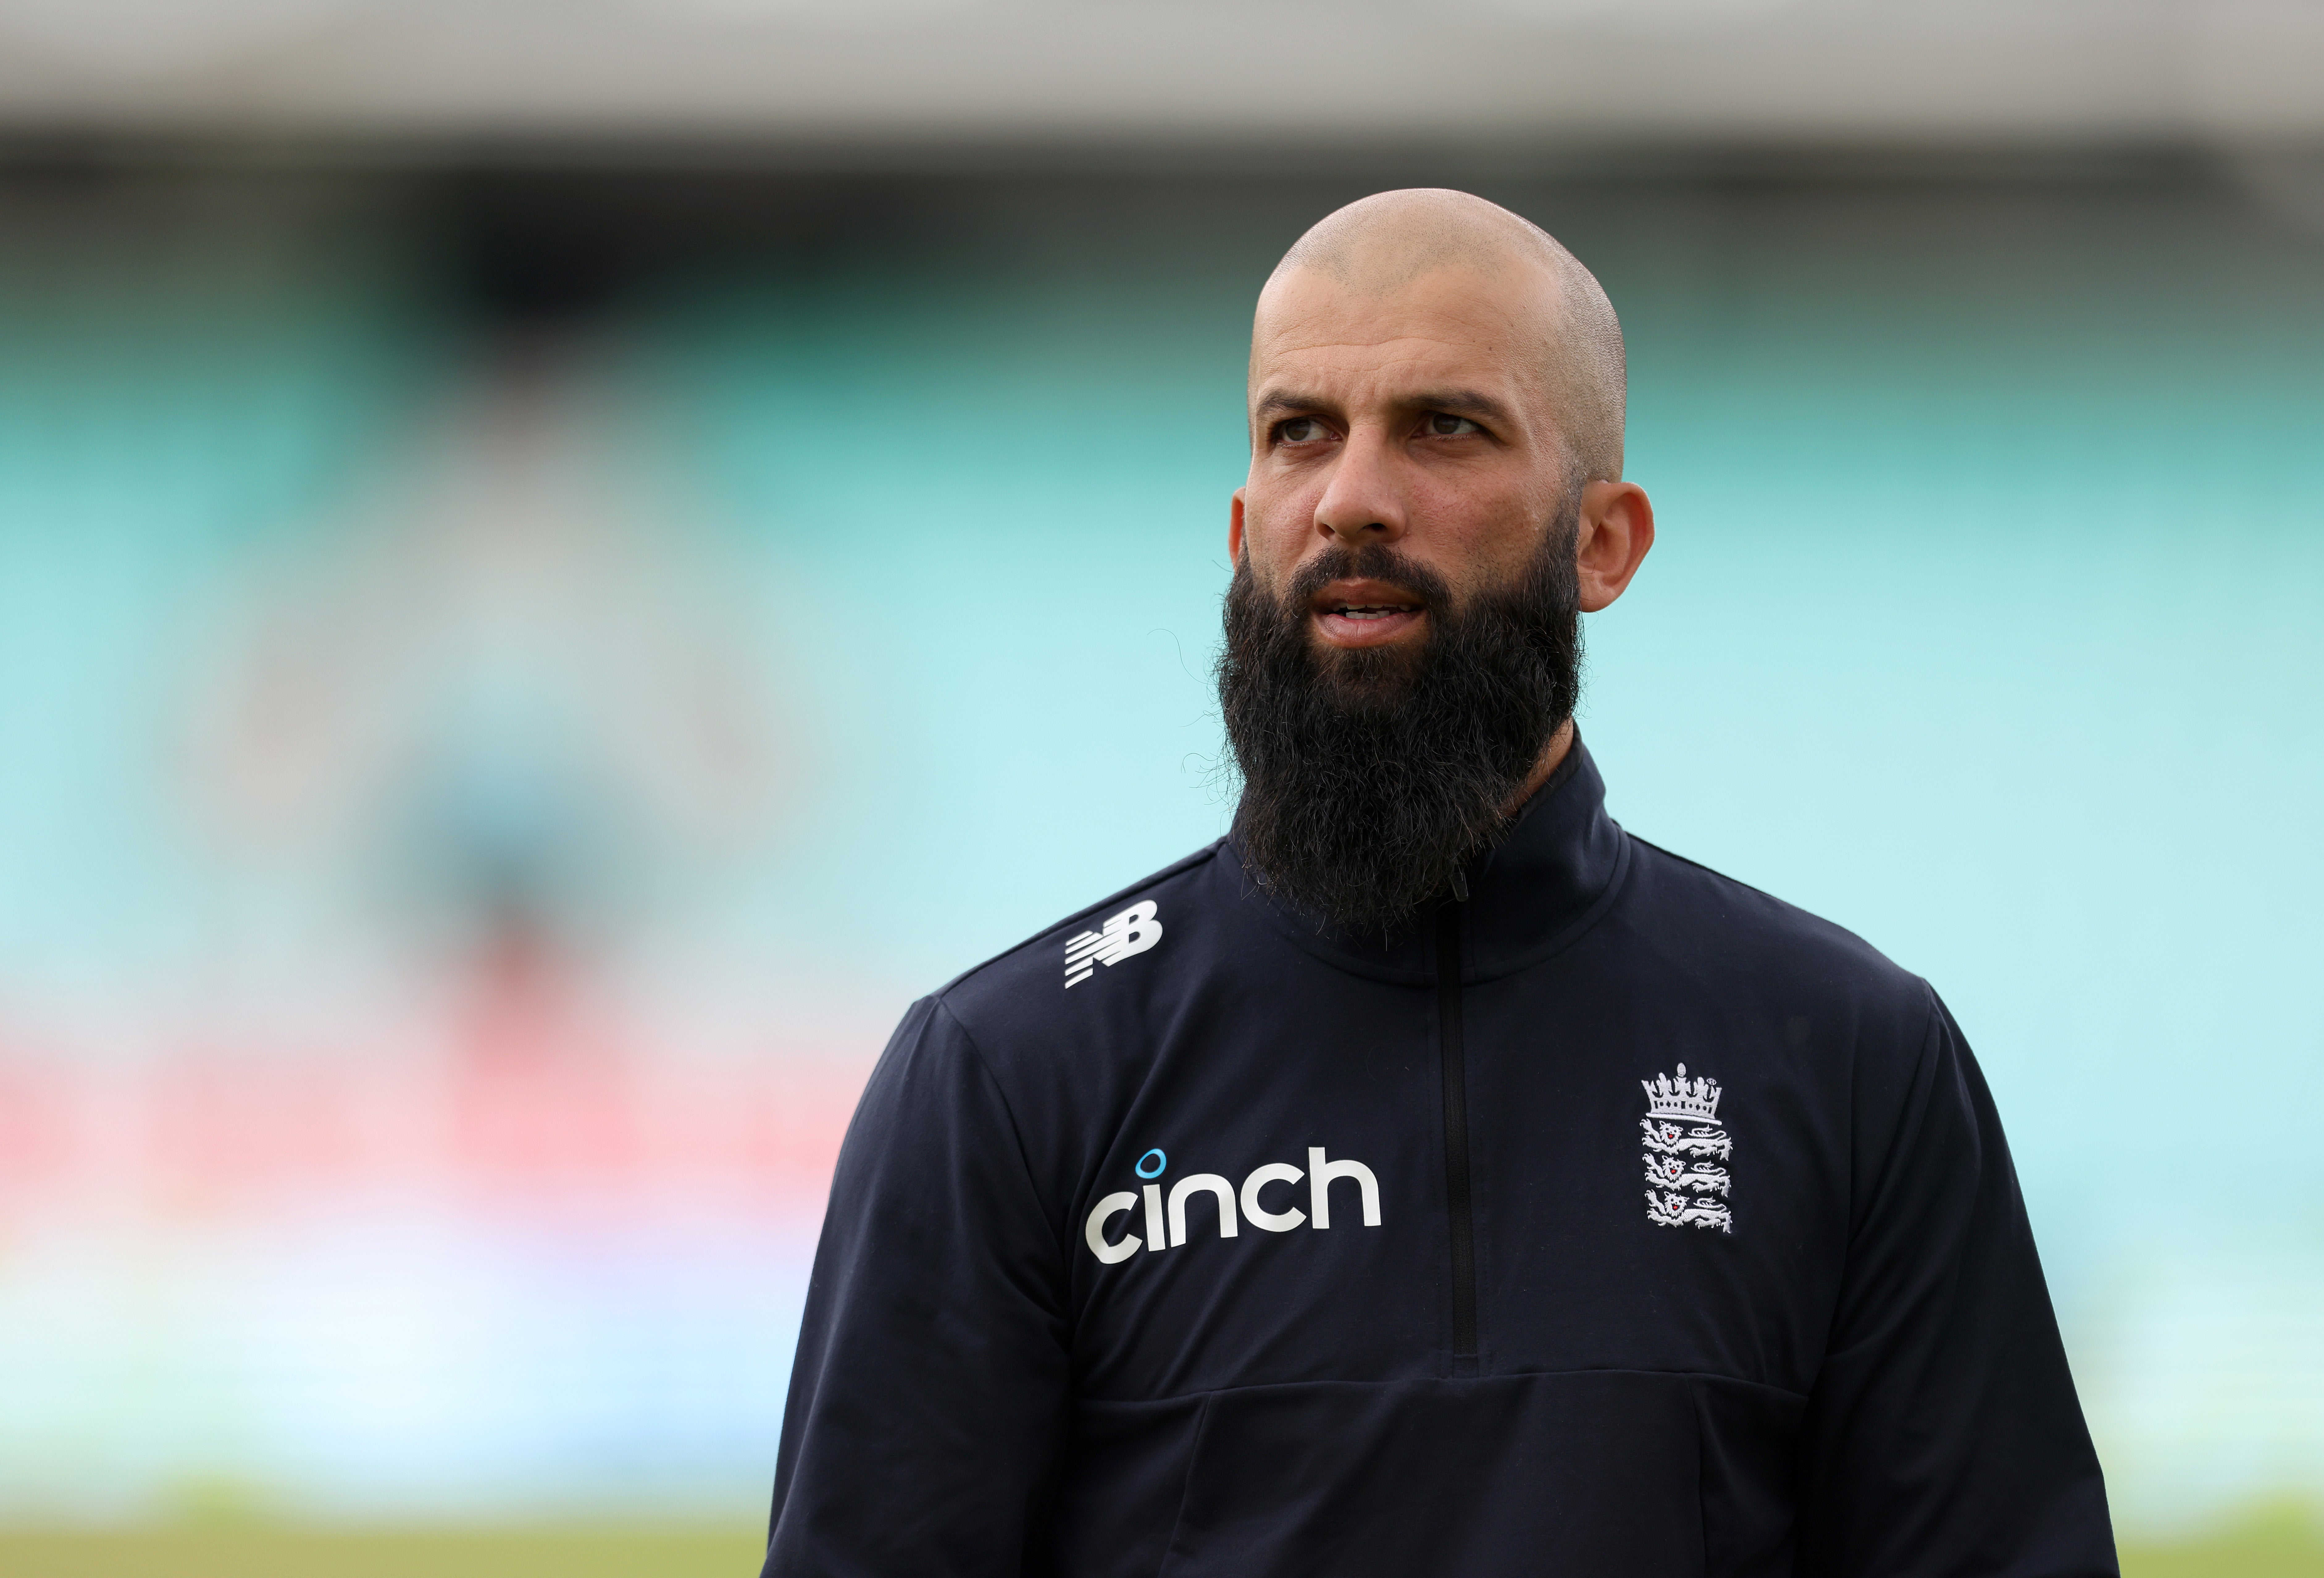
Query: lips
{"points": [[1365, 612]]}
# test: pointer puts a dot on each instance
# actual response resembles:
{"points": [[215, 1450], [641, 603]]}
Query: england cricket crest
{"points": [[1686, 1185]]}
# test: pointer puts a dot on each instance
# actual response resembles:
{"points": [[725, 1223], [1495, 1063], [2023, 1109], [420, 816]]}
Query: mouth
{"points": [[1366, 613]]}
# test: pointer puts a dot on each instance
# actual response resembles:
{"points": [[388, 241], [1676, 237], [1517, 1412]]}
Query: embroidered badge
{"points": [[1683, 1139]]}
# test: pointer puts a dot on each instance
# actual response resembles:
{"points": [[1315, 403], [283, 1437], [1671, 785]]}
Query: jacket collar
{"points": [[1549, 879]]}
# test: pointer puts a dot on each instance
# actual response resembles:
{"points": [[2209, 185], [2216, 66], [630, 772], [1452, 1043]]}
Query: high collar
{"points": [[1547, 880]]}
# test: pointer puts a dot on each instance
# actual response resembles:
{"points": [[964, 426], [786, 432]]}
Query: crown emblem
{"points": [[1694, 1099]]}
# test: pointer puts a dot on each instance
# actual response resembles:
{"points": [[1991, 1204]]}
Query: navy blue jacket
{"points": [[1192, 1238]]}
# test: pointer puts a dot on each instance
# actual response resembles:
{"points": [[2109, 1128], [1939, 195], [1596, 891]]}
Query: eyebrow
{"points": [[1466, 402], [1276, 400], [1460, 402]]}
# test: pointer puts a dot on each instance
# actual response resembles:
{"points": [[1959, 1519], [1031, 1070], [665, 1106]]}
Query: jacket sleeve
{"points": [[928, 1398], [1942, 1434]]}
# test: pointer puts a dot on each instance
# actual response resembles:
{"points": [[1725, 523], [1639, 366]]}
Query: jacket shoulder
{"points": [[1707, 920], [1040, 958]]}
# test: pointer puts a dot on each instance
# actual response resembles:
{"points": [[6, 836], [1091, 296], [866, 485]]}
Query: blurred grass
{"points": [[2272, 1549], [262, 1552], [2283, 1542]]}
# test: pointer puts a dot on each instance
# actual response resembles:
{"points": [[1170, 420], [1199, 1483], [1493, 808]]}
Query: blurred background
{"points": [[559, 563]]}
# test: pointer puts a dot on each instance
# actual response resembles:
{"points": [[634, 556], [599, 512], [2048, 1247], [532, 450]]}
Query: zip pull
{"points": [[1459, 886]]}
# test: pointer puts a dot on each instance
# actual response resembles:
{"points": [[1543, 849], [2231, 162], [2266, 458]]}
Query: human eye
{"points": [[1300, 430], [1444, 424]]}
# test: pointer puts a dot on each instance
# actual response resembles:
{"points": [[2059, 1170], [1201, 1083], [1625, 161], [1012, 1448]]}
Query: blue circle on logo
{"points": [[1157, 1159]]}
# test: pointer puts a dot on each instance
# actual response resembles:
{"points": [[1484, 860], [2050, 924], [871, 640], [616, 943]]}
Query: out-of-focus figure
{"points": [[512, 710]]}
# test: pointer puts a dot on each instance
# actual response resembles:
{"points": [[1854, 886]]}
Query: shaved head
{"points": [[1383, 243], [1434, 500]]}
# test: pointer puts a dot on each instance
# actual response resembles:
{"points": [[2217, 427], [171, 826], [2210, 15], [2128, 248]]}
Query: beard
{"points": [[1369, 774]]}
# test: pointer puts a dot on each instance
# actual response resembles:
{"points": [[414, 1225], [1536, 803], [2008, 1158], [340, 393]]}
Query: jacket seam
{"points": [[1722, 876], [1204, 1394], [1920, 1094], [1175, 868], [1777, 899], [1016, 1137], [1186, 1486]]}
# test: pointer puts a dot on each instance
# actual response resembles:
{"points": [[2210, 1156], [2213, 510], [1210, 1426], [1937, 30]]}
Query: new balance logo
{"points": [[1133, 931]]}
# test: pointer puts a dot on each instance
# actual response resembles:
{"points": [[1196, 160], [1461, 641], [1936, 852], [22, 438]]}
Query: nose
{"points": [[1363, 501]]}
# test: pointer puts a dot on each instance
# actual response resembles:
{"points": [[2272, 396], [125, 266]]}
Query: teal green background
{"points": [[1983, 621]]}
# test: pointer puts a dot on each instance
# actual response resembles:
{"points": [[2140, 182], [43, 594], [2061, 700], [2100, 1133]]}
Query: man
{"points": [[1429, 1177]]}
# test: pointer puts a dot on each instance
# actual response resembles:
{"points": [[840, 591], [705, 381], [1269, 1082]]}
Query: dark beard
{"points": [[1370, 774]]}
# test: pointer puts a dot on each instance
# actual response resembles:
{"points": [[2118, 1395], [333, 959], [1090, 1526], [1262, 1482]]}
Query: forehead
{"points": [[1454, 322]]}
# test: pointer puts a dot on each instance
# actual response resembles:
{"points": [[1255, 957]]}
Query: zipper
{"points": [[1453, 1057]]}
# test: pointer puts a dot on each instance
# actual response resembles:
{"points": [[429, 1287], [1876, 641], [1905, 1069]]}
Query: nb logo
{"points": [[1133, 931]]}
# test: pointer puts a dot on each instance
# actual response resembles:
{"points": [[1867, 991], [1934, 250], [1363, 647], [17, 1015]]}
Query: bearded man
{"points": [[1429, 1177]]}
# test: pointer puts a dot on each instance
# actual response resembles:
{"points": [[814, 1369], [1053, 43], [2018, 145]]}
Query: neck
{"points": [[1552, 754]]}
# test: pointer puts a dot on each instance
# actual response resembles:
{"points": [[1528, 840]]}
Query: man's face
{"points": [[1413, 419], [1401, 634], [1403, 641]]}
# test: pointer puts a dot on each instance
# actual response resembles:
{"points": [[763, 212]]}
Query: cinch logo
{"points": [[1133, 931], [1320, 1174]]}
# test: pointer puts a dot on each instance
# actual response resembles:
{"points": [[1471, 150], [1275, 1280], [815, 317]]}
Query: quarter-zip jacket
{"points": [[1192, 1237]]}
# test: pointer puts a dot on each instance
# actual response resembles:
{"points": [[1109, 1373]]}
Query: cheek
{"points": [[1498, 530], [1277, 520]]}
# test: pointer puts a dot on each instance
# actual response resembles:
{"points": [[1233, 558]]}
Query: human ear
{"points": [[1616, 528], [1234, 529]]}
